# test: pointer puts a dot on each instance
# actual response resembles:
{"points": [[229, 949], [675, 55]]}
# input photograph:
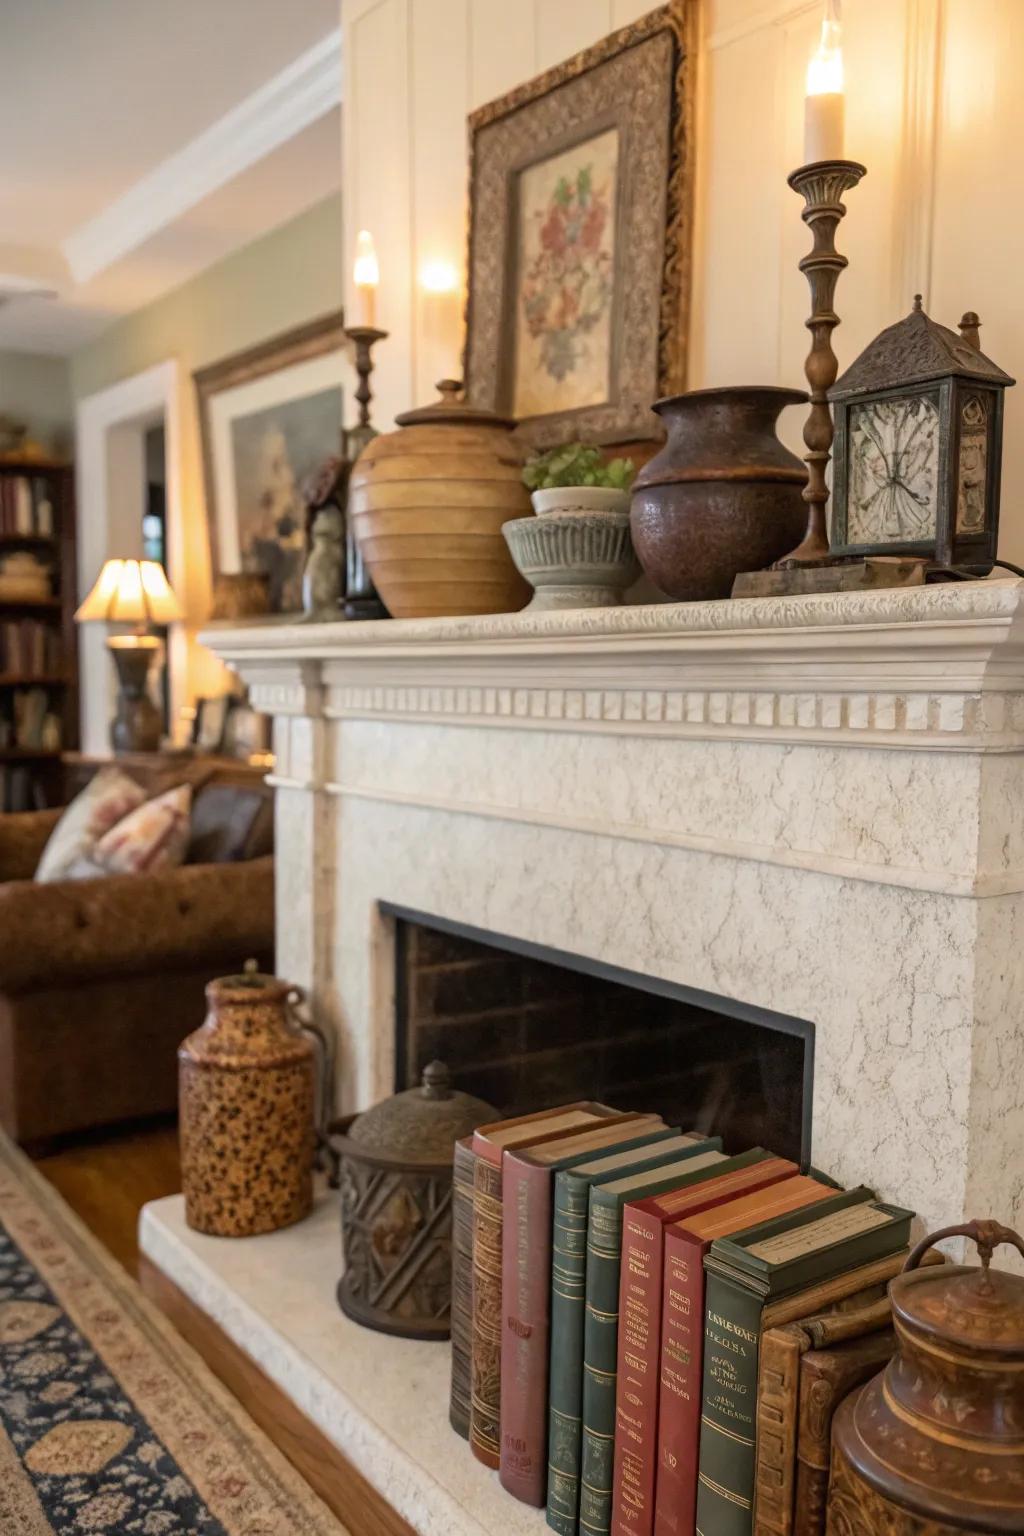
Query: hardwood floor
{"points": [[108, 1176]]}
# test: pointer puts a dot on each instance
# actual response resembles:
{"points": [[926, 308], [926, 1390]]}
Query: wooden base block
{"points": [[877, 571], [347, 1494]]}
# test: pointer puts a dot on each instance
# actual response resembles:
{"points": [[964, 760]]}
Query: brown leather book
{"points": [[826, 1376], [489, 1141], [462, 1284], [783, 1345]]}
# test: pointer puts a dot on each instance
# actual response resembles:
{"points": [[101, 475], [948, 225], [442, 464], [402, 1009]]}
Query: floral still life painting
{"points": [[566, 264]]}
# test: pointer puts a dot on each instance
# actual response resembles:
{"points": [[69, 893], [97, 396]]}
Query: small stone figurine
{"points": [[323, 580]]}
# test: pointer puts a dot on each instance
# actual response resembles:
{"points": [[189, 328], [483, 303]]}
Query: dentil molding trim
{"points": [[936, 668]]}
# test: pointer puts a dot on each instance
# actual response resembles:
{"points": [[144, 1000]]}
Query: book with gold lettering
{"points": [[641, 1274], [527, 1176], [745, 1274], [601, 1336], [682, 1338], [489, 1141], [568, 1298]]}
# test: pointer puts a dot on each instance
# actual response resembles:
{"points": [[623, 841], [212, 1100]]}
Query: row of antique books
{"points": [[25, 506], [631, 1309], [27, 646]]}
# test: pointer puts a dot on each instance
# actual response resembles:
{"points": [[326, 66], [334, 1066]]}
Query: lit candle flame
{"points": [[825, 67], [366, 272]]}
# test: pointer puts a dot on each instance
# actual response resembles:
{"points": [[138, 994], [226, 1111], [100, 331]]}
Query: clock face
{"points": [[893, 456]]}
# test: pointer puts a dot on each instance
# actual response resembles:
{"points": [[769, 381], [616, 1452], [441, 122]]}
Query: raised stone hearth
{"points": [[811, 806]]}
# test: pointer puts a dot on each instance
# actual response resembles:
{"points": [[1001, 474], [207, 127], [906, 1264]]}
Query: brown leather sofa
{"points": [[100, 980]]}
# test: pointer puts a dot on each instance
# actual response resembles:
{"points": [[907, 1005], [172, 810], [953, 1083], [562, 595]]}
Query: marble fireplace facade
{"points": [[811, 806]]}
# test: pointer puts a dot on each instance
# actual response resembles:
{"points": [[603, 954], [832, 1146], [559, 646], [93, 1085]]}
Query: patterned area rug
{"points": [[108, 1421]]}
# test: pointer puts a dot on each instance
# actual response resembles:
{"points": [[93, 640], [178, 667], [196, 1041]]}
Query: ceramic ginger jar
{"points": [[427, 503]]}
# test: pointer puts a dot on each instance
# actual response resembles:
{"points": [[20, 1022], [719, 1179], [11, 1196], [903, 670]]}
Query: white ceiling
{"points": [[95, 94]]}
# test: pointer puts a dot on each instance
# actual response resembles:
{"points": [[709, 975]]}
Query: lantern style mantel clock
{"points": [[918, 446]]}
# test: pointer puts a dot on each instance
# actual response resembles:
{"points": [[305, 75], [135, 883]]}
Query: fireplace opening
{"points": [[526, 1027]]}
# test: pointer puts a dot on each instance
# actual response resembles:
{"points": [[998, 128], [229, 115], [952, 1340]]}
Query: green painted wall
{"points": [[289, 276], [36, 390]]}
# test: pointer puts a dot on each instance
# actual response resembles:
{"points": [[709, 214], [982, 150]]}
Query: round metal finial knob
{"points": [[437, 1081], [918, 303], [449, 389]]}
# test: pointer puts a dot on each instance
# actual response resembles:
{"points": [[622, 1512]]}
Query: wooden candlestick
{"points": [[364, 338], [361, 598], [822, 186]]}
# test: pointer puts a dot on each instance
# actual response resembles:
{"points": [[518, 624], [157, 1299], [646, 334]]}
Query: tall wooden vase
{"points": [[246, 1089]]}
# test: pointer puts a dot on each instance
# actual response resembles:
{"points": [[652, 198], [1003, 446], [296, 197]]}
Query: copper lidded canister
{"points": [[246, 1092], [935, 1444], [396, 1206]]}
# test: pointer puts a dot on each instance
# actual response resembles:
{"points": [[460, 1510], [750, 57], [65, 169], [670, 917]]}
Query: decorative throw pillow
{"points": [[105, 800], [154, 836]]}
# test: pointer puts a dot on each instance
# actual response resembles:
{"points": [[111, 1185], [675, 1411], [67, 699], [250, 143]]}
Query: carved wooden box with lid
{"points": [[396, 1207]]}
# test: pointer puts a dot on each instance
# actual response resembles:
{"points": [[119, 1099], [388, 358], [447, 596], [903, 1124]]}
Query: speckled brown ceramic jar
{"points": [[246, 1085], [722, 496]]}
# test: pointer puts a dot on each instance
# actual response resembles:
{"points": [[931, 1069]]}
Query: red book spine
{"points": [[636, 1393], [679, 1398], [526, 1309]]}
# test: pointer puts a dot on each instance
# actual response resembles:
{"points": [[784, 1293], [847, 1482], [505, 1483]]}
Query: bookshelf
{"points": [[38, 641]]}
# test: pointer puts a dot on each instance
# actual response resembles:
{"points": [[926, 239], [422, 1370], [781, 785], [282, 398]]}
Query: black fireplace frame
{"points": [[731, 1008]]}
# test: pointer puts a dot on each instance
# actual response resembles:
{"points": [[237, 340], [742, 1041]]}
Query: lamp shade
{"points": [[131, 592]]}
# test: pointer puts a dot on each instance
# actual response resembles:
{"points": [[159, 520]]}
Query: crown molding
{"points": [[305, 91]]}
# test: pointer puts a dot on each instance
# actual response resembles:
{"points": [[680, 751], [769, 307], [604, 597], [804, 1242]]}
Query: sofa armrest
{"points": [[23, 837], [132, 924]]}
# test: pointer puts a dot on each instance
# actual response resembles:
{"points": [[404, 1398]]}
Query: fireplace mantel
{"points": [[813, 805]]}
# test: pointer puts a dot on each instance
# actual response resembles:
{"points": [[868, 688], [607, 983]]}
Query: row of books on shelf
{"points": [[20, 790], [25, 506], [29, 647], [630, 1311], [28, 722]]}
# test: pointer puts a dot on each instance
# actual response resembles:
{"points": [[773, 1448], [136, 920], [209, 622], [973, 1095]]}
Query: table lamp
{"points": [[133, 592]]}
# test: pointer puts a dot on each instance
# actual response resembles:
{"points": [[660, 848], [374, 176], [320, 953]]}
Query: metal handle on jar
{"points": [[323, 1046], [987, 1235]]}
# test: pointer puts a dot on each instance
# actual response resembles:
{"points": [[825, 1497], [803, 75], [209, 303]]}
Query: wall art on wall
{"points": [[581, 190], [269, 416]]}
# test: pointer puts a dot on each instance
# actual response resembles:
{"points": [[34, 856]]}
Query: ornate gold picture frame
{"points": [[581, 194]]}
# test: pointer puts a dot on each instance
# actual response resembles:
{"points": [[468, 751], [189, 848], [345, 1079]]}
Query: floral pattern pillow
{"points": [[105, 800], [154, 836]]}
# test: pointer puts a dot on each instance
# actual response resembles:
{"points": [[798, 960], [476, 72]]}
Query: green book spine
{"points": [[726, 1464], [600, 1354], [568, 1284]]}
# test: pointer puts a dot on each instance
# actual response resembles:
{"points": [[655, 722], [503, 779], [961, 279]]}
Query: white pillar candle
{"points": [[366, 276]]}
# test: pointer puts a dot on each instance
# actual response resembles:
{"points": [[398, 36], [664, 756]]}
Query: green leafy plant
{"points": [[576, 464]]}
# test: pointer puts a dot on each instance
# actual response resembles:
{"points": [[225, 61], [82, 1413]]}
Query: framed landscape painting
{"points": [[269, 417], [579, 258]]}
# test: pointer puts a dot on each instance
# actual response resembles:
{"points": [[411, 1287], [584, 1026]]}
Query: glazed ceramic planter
{"points": [[579, 498], [574, 559], [427, 504], [723, 495]]}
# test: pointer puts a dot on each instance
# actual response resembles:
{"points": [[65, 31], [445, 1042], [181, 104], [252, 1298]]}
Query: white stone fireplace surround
{"points": [[814, 806]]}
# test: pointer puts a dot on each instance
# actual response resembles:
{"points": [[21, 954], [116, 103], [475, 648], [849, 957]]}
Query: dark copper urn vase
{"points": [[935, 1445], [722, 496]]}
